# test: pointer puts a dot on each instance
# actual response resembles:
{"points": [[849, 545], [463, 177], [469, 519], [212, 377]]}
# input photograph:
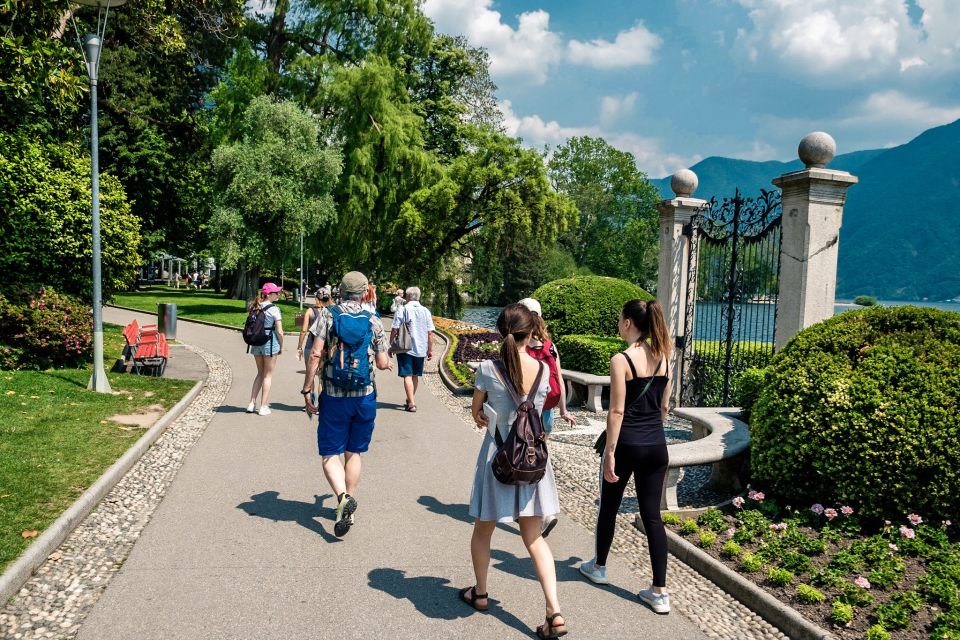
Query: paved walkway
{"points": [[242, 544]]}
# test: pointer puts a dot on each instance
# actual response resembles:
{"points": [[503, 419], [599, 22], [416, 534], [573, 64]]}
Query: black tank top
{"points": [[642, 421]]}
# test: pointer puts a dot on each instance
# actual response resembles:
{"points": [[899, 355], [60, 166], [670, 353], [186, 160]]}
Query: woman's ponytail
{"points": [[515, 323], [660, 341]]}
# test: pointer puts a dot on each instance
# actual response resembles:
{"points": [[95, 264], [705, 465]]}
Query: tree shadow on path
{"points": [[270, 506], [433, 597]]}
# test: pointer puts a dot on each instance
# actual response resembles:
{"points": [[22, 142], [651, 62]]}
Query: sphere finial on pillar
{"points": [[684, 183], [817, 149]]}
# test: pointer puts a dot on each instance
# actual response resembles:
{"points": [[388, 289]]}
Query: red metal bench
{"points": [[145, 347]]}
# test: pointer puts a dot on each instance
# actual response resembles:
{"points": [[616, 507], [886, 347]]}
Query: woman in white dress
{"points": [[492, 501]]}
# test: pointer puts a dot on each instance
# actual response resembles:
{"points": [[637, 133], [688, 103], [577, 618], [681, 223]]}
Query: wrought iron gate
{"points": [[732, 289]]}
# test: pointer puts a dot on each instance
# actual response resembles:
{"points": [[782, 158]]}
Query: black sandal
{"points": [[549, 630], [473, 597]]}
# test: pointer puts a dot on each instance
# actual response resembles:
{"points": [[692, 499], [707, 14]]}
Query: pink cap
{"points": [[269, 288]]}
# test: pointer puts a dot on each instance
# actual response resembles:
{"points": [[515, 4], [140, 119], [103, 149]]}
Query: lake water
{"points": [[708, 326]]}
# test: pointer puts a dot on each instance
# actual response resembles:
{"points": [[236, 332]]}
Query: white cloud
{"points": [[613, 108], [841, 40], [631, 48], [894, 107], [528, 52], [536, 132]]}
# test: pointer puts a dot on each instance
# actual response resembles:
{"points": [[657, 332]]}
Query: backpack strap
{"points": [[633, 369]]}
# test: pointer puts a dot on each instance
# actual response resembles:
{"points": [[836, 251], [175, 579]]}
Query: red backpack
{"points": [[547, 353]]}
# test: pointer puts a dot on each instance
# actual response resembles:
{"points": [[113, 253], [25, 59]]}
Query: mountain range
{"points": [[900, 238]]}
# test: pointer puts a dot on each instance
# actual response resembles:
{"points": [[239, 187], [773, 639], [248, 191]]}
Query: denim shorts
{"points": [[345, 424], [547, 418], [271, 348], [408, 365]]}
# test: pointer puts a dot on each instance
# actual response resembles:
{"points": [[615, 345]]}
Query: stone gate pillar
{"points": [[674, 259], [813, 201]]}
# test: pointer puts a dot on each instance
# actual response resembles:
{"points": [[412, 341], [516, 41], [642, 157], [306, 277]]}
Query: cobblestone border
{"points": [[54, 602]]}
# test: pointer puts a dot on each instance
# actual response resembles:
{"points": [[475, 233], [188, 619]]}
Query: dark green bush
{"points": [[862, 409], [748, 387], [589, 354], [44, 329], [585, 304], [865, 301]]}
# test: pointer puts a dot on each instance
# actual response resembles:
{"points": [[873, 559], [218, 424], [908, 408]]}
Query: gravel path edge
{"points": [[17, 574], [771, 609]]}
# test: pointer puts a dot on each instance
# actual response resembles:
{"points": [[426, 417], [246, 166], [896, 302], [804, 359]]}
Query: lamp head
{"points": [[91, 55]]}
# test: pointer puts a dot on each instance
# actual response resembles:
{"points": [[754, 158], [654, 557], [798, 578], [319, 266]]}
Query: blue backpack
{"points": [[350, 356]]}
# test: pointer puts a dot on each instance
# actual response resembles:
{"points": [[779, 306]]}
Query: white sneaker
{"points": [[596, 575], [659, 602], [252, 407], [264, 410]]}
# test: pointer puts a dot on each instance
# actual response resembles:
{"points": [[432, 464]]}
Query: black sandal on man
{"points": [[549, 630], [473, 597]]}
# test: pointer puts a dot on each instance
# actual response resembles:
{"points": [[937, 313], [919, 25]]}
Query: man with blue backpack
{"points": [[349, 342]]}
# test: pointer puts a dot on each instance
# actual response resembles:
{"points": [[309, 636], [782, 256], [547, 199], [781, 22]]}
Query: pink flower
{"points": [[738, 502], [817, 509], [731, 532], [887, 523], [946, 523], [893, 547], [914, 519], [907, 532], [755, 495], [847, 511], [831, 513], [862, 582]]}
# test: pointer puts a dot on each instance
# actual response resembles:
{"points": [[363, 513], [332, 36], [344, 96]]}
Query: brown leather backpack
{"points": [[522, 457]]}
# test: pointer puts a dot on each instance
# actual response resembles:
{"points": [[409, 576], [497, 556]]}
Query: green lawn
{"points": [[55, 441], [201, 305]]}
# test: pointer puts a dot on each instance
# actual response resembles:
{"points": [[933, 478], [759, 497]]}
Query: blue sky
{"points": [[675, 81]]}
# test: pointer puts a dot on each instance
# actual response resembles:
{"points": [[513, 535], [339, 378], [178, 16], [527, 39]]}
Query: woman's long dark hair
{"points": [[515, 324], [647, 317]]}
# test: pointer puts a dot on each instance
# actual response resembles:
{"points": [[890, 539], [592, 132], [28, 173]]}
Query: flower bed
{"points": [[875, 580], [464, 342], [476, 347]]}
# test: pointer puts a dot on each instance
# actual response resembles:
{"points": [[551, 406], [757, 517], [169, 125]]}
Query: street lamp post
{"points": [[303, 291], [92, 44]]}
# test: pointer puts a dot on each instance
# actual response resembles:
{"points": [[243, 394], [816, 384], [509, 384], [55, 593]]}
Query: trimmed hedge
{"points": [[708, 377], [861, 409], [588, 354], [42, 329], [585, 305]]}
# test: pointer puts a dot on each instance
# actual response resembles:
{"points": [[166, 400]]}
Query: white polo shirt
{"points": [[420, 324]]}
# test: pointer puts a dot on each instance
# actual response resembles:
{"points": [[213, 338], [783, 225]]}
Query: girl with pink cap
{"points": [[266, 355]]}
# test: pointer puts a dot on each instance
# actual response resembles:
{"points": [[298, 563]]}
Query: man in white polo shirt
{"points": [[419, 323]]}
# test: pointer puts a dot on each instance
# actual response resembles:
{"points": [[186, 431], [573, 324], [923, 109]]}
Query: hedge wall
{"points": [[862, 409], [589, 354], [585, 305]]}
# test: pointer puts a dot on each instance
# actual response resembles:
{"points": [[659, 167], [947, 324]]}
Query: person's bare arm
{"points": [[667, 393], [618, 395], [383, 361], [479, 417], [563, 396], [313, 361], [304, 328]]}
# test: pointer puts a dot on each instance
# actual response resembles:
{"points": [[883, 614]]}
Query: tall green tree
{"points": [[616, 234], [271, 187]]}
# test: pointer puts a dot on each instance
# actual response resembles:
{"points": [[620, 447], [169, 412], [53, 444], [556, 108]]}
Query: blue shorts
{"points": [[408, 365], [345, 424], [547, 418]]}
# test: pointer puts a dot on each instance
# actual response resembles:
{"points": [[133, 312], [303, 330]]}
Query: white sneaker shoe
{"points": [[596, 575], [252, 407], [264, 410], [659, 602]]}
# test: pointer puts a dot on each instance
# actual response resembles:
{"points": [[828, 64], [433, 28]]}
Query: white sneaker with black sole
{"points": [[659, 602], [252, 407]]}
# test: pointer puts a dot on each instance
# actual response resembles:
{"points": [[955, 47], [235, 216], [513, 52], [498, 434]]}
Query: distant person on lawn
{"points": [[265, 355], [351, 343], [419, 323]]}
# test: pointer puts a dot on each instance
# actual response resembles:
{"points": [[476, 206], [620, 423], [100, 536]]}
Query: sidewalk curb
{"points": [[181, 319], [771, 609], [36, 554], [452, 385]]}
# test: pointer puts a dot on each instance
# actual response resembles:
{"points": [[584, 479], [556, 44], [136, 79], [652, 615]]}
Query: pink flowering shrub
{"points": [[43, 329]]}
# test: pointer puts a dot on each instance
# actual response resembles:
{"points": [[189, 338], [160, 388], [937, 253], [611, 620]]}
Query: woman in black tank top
{"points": [[639, 401]]}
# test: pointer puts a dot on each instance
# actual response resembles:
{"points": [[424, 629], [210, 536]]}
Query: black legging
{"points": [[648, 466]]}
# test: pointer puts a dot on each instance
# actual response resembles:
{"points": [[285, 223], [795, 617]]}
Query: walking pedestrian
{"points": [[419, 323], [351, 342], [266, 355], [369, 300], [492, 501], [398, 301], [635, 444], [543, 349]]}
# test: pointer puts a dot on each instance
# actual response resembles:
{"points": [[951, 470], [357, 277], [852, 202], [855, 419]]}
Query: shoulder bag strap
{"points": [[532, 394], [633, 369]]}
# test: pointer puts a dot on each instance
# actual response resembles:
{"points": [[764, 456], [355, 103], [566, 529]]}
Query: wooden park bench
{"points": [[585, 388]]}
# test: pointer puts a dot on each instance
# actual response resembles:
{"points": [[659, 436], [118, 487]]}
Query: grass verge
{"points": [[56, 441], [203, 304]]}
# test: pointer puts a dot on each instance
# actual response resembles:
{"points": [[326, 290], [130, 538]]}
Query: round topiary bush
{"points": [[585, 304], [862, 410]]}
